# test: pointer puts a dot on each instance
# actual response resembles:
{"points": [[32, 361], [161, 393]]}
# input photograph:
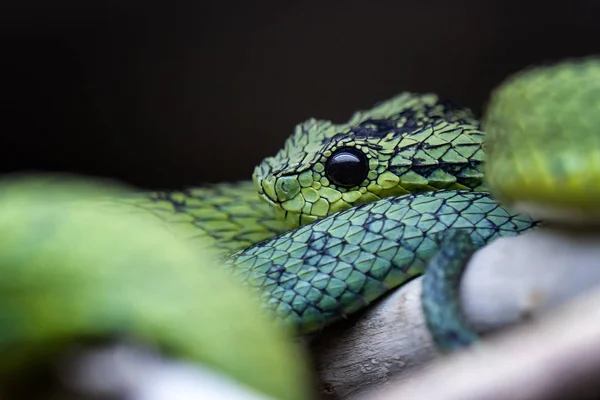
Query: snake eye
{"points": [[347, 167]]}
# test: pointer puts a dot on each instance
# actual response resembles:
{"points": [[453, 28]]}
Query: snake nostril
{"points": [[286, 188]]}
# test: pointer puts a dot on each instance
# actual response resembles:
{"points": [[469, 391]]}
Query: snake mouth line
{"points": [[264, 197], [294, 219]]}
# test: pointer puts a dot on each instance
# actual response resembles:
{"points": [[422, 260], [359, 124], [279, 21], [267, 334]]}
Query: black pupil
{"points": [[347, 167]]}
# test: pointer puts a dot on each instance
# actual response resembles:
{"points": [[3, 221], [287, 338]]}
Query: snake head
{"points": [[406, 144]]}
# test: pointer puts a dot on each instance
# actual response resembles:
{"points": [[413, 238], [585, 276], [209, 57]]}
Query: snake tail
{"points": [[440, 292]]}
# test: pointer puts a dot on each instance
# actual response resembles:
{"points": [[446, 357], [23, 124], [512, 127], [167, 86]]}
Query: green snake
{"points": [[344, 213], [543, 154]]}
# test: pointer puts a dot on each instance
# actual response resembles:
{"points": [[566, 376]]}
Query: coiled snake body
{"points": [[344, 213]]}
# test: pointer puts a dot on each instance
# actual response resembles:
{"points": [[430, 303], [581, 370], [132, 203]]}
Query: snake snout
{"points": [[265, 187], [285, 188], [275, 188]]}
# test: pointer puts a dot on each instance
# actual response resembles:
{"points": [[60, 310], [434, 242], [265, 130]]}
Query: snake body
{"points": [[334, 221], [344, 213], [224, 217], [319, 243], [409, 143], [321, 272], [543, 159]]}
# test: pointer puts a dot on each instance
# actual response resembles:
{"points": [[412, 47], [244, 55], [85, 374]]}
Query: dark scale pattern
{"points": [[321, 272], [400, 115], [226, 217], [440, 291], [442, 153], [411, 119]]}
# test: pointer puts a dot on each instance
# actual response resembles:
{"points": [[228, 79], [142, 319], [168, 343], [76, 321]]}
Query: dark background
{"points": [[181, 92]]}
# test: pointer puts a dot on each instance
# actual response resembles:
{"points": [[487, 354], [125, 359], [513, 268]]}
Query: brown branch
{"points": [[554, 357]]}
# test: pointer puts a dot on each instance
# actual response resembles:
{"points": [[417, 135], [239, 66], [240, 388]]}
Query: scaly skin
{"points": [[323, 269], [543, 149], [412, 143], [422, 176], [440, 292], [326, 270], [227, 217]]}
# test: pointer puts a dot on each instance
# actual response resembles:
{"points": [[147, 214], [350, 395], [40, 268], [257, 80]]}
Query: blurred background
{"points": [[171, 94]]}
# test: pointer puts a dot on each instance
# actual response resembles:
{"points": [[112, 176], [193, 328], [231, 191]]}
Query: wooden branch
{"points": [[390, 339], [554, 357]]}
